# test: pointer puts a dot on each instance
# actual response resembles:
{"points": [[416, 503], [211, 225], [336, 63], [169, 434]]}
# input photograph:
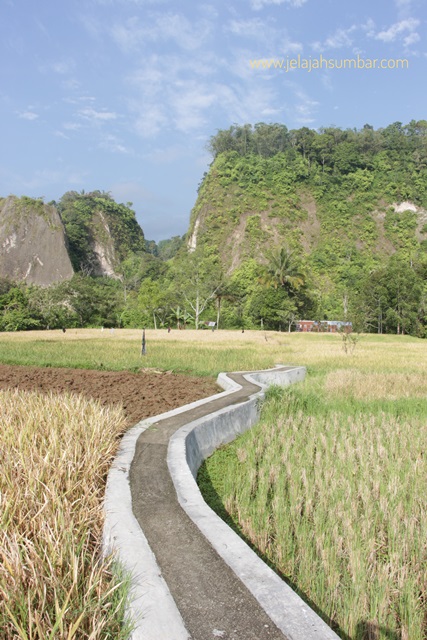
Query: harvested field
{"points": [[141, 395]]}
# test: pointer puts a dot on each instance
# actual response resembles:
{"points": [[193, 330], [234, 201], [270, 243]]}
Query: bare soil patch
{"points": [[142, 394]]}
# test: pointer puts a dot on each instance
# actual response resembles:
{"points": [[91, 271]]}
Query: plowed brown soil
{"points": [[142, 394]]}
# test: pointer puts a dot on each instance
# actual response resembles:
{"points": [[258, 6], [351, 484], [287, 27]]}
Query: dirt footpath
{"points": [[141, 394]]}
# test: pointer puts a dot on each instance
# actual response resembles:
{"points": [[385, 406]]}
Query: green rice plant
{"points": [[333, 496], [54, 456]]}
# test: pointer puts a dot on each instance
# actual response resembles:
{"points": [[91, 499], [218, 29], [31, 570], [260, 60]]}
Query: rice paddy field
{"points": [[54, 454], [330, 486]]}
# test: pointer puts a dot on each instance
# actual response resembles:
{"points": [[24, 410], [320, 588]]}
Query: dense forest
{"points": [[328, 224]]}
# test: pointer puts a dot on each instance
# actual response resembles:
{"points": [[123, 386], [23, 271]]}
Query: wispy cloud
{"points": [[150, 119], [305, 111], [249, 28], [340, 38], [191, 102], [304, 108], [93, 115], [132, 34], [28, 115], [71, 126], [403, 28], [274, 39], [111, 143], [403, 7], [61, 134], [64, 66], [186, 102], [260, 4], [130, 3]]}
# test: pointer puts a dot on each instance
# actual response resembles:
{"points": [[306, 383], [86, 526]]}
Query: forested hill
{"points": [[344, 200], [347, 208]]}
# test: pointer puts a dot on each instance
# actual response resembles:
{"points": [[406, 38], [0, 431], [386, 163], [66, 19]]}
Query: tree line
{"points": [[191, 290]]}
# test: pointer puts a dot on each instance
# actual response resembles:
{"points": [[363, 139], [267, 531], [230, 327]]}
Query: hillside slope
{"points": [[248, 204]]}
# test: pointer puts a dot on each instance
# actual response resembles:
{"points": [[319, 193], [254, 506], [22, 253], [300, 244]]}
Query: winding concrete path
{"points": [[202, 596]]}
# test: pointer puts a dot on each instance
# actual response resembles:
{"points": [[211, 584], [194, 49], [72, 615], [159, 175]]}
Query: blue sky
{"points": [[123, 95]]}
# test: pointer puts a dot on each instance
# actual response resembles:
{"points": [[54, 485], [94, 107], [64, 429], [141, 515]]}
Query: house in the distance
{"points": [[324, 326]]}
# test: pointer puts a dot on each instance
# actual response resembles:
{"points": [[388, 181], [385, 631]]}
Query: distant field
{"points": [[207, 353], [330, 486]]}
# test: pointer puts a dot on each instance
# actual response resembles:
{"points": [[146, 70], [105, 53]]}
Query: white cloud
{"points": [[398, 29], [71, 126], [303, 108], [63, 66], [411, 39], [80, 99], [113, 144], [369, 27], [275, 41], [191, 102], [340, 38], [132, 35], [97, 116], [128, 2], [403, 7], [247, 102], [28, 115], [251, 28], [150, 119], [186, 34], [260, 4]]}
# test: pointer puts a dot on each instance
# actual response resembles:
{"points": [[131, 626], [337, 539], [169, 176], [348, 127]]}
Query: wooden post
{"points": [[143, 351]]}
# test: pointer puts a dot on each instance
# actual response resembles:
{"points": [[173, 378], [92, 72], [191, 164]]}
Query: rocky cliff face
{"points": [[101, 233], [104, 258], [32, 242]]}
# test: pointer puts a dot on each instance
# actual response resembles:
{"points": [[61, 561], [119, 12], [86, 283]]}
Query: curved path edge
{"points": [[151, 606]]}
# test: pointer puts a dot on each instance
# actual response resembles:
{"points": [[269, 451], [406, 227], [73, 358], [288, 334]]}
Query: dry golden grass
{"points": [[55, 452], [376, 386], [207, 352]]}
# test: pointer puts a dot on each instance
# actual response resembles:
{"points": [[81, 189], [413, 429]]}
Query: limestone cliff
{"points": [[33, 246], [101, 233]]}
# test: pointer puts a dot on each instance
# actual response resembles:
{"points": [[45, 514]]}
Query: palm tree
{"points": [[283, 270]]}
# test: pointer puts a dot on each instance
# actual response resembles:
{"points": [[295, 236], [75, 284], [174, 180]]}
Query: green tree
{"points": [[197, 279], [154, 301], [15, 314], [283, 270]]}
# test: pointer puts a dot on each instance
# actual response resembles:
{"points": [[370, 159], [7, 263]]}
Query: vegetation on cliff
{"points": [[95, 219]]}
